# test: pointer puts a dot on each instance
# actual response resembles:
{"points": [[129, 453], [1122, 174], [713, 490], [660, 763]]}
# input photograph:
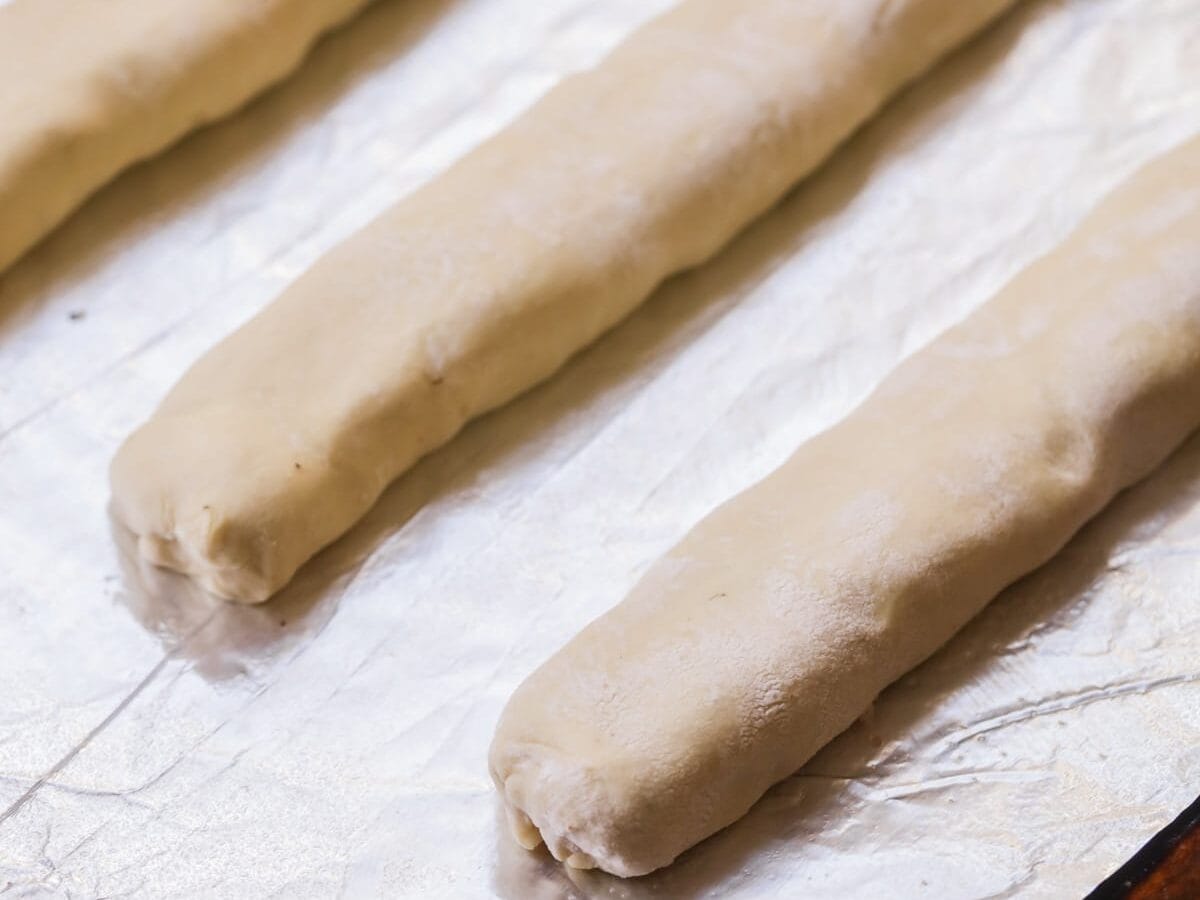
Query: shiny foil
{"points": [[154, 743]]}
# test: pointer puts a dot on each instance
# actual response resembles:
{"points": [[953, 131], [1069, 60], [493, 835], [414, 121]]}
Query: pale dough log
{"points": [[777, 620], [483, 282], [88, 87]]}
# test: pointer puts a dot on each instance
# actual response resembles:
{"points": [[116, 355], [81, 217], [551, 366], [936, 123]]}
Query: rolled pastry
{"points": [[777, 620], [89, 87], [483, 282]]}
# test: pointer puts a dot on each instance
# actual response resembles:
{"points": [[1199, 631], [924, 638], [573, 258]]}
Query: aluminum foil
{"points": [[154, 743]]}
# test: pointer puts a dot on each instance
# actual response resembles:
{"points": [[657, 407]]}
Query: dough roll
{"points": [[92, 86], [486, 280], [778, 619]]}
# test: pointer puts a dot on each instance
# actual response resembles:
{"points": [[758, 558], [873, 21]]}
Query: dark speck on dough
{"points": [[76, 314], [297, 465]]}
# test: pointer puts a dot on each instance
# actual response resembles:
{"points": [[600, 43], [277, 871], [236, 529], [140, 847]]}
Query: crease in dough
{"points": [[92, 87], [493, 274], [780, 617]]}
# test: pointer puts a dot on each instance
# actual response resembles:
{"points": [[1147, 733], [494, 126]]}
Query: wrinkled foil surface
{"points": [[154, 743]]}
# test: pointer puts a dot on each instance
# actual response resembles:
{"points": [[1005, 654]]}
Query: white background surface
{"points": [[333, 742]]}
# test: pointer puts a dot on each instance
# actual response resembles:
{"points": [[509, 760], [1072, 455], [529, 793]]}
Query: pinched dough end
{"points": [[530, 837], [205, 519], [227, 582], [568, 806]]}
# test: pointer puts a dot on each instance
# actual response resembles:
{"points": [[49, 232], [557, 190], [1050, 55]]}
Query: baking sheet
{"points": [[333, 741]]}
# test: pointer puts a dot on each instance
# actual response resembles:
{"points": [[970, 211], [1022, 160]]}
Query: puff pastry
{"points": [[91, 87], [777, 620], [486, 280]]}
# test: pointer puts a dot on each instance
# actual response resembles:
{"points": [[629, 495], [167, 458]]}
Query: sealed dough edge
{"points": [[486, 280], [91, 88], [780, 617]]}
